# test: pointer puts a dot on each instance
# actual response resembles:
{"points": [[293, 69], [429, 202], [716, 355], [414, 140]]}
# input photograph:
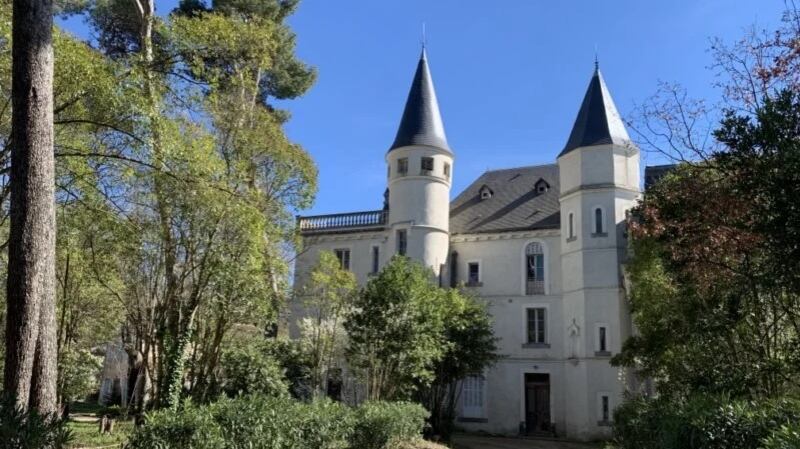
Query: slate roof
{"points": [[653, 173], [421, 123], [598, 122], [514, 205]]}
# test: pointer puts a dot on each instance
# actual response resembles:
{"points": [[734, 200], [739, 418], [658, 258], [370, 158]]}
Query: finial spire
{"points": [[596, 59], [424, 38]]}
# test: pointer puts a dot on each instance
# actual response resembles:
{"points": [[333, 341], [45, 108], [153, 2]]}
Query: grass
{"points": [[86, 435]]}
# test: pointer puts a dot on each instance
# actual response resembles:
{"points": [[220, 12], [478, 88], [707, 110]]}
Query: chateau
{"points": [[542, 245]]}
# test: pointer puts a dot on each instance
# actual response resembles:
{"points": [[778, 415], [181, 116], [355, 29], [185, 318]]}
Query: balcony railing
{"points": [[333, 222], [533, 287]]}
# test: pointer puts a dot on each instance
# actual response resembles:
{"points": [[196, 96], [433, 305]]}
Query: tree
{"points": [[30, 365], [327, 300], [471, 348]]}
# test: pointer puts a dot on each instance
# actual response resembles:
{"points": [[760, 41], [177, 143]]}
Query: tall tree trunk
{"points": [[30, 367]]}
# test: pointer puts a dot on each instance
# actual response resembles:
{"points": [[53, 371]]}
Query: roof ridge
{"points": [[522, 167]]}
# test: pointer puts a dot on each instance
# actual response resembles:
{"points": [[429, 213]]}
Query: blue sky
{"points": [[509, 74]]}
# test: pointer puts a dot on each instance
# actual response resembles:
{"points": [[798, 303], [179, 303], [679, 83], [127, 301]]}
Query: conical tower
{"points": [[420, 171], [599, 175]]}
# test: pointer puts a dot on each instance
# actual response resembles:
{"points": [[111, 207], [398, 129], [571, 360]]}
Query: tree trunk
{"points": [[30, 367]]}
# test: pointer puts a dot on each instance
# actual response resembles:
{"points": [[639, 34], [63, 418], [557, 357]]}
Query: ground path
{"points": [[463, 441]]}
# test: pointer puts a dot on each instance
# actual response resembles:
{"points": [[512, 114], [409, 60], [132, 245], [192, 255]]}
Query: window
{"points": [[599, 223], [541, 186], [375, 259], [485, 192], [344, 258], [426, 165], [536, 326], [473, 388], [402, 166], [571, 226], [605, 409], [402, 242], [447, 170], [473, 273], [534, 269], [602, 340]]}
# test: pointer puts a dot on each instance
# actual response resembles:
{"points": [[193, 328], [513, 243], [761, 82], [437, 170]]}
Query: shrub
{"points": [[190, 427], [381, 424], [261, 422], [29, 430], [787, 437], [256, 422], [703, 422], [251, 370]]}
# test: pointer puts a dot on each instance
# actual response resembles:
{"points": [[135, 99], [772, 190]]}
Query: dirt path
{"points": [[478, 442]]}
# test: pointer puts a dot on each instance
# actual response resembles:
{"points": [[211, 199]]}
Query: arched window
{"points": [[598, 221], [534, 269]]}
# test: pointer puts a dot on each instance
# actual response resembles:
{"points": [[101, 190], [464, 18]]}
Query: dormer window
{"points": [[486, 192], [541, 186], [426, 165]]}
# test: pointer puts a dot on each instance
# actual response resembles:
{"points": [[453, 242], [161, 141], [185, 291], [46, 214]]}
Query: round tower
{"points": [[420, 170]]}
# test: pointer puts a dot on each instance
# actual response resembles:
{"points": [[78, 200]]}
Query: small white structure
{"points": [[114, 376], [542, 245]]}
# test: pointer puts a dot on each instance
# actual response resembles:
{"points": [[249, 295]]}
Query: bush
{"points": [[251, 370], [21, 430], [190, 427], [787, 437], [381, 424], [704, 422], [261, 422]]}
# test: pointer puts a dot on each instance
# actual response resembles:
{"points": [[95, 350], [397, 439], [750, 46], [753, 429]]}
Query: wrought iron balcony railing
{"points": [[334, 222]]}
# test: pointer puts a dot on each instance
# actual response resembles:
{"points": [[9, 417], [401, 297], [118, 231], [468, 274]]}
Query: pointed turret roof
{"points": [[598, 122], [421, 123]]}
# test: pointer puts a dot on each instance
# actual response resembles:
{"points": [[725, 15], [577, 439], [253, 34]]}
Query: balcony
{"points": [[342, 222], [534, 287]]}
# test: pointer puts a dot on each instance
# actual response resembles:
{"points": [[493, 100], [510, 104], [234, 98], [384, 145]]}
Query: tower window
{"points": [[605, 408], [571, 226], [402, 242], [344, 258], [599, 223], [426, 165], [402, 166], [375, 259], [602, 339], [447, 170], [473, 273], [536, 325], [486, 192]]}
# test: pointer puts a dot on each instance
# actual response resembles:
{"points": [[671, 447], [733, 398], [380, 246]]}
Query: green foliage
{"points": [[77, 370], [704, 422], [327, 300], [396, 330], [251, 370], [379, 425], [257, 422], [29, 430]]}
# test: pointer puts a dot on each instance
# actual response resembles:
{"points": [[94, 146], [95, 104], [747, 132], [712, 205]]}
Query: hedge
{"points": [[706, 423], [259, 422]]}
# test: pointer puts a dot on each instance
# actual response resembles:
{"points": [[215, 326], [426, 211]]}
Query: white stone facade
{"points": [[557, 336]]}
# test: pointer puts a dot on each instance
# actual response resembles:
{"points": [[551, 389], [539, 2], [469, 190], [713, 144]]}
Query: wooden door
{"points": [[537, 403]]}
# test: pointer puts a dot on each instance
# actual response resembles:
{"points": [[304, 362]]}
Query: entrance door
{"points": [[537, 403]]}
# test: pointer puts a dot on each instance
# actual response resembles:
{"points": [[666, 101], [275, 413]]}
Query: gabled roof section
{"points": [[598, 122], [421, 123], [515, 204]]}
